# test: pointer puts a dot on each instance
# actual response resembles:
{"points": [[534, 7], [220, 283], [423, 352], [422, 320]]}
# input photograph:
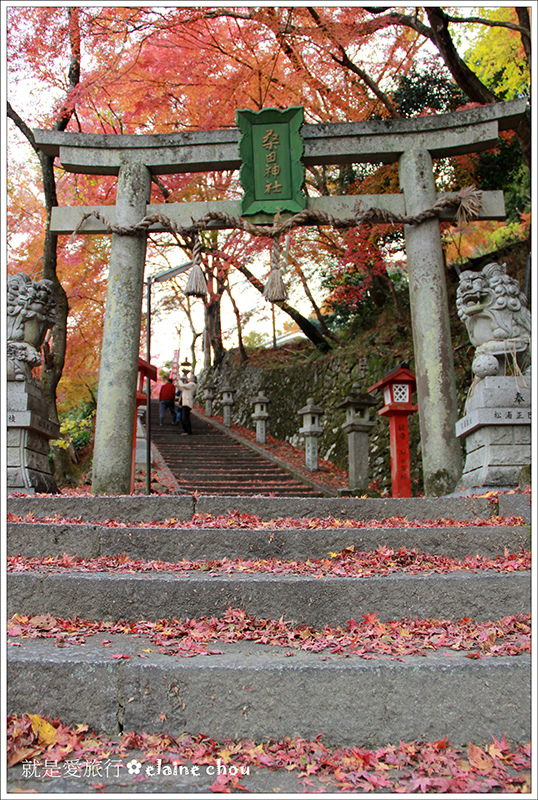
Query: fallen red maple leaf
{"points": [[398, 638], [382, 561]]}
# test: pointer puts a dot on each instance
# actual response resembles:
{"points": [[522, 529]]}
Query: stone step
{"points": [[237, 468], [213, 462], [155, 508], [246, 488], [261, 692], [231, 470], [237, 463], [36, 539], [315, 601]]}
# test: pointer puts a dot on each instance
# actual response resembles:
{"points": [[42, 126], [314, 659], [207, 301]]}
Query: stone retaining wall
{"points": [[328, 379]]}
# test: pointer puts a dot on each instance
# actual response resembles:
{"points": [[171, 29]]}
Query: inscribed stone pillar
{"points": [[357, 440], [436, 385], [121, 336]]}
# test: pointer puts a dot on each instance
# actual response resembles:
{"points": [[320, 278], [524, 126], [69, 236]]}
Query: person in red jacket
{"points": [[166, 400]]}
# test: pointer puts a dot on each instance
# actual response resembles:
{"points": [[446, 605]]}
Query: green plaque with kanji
{"points": [[271, 148]]}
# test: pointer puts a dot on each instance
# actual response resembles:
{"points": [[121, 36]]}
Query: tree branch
{"points": [[309, 330], [319, 315], [395, 18], [464, 77], [74, 69], [493, 23], [21, 125], [346, 62], [525, 22]]}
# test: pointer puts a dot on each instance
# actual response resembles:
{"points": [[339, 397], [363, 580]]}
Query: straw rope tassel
{"points": [[196, 283], [274, 288]]}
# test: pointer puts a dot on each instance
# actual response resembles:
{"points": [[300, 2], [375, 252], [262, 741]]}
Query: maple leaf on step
{"points": [[45, 731], [478, 758]]}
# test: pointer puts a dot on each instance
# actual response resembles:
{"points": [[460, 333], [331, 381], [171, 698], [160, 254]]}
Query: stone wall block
{"points": [[522, 434], [26, 396], [494, 392], [15, 437], [30, 481], [509, 454], [501, 435], [489, 475], [28, 433], [37, 443], [475, 440], [497, 456], [474, 461], [32, 460]]}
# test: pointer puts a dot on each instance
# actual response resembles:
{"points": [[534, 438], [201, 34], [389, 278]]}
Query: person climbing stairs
{"points": [[211, 462]]}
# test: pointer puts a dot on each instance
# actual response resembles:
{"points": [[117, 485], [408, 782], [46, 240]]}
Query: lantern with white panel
{"points": [[397, 387]]}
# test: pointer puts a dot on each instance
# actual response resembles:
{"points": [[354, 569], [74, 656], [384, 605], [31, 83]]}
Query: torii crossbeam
{"points": [[413, 143]]}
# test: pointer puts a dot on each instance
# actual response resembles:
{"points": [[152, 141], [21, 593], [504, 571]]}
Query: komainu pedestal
{"points": [[31, 311], [496, 427], [28, 433], [497, 432]]}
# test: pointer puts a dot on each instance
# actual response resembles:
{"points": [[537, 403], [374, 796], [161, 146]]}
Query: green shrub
{"points": [[76, 429]]}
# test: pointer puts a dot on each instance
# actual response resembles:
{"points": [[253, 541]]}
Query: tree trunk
{"points": [[309, 330], [525, 22], [214, 330], [465, 77], [323, 325], [54, 363], [53, 366], [66, 472], [242, 351]]}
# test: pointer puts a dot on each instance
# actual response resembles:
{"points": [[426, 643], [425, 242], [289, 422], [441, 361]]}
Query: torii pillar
{"points": [[413, 143], [116, 399], [434, 366]]}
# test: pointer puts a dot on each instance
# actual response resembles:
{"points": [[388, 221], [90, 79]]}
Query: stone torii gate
{"points": [[413, 143]]}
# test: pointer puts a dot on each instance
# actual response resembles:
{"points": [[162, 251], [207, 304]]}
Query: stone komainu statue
{"points": [[31, 311], [495, 312]]}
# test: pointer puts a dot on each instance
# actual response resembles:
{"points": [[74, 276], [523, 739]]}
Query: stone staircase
{"points": [[213, 461], [253, 690]]}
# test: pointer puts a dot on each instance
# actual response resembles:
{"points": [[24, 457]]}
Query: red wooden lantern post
{"points": [[397, 387]]}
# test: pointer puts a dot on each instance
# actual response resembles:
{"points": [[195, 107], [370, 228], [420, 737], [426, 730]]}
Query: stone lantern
{"points": [[397, 387], [227, 403], [209, 396], [260, 415], [357, 426], [311, 431]]}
